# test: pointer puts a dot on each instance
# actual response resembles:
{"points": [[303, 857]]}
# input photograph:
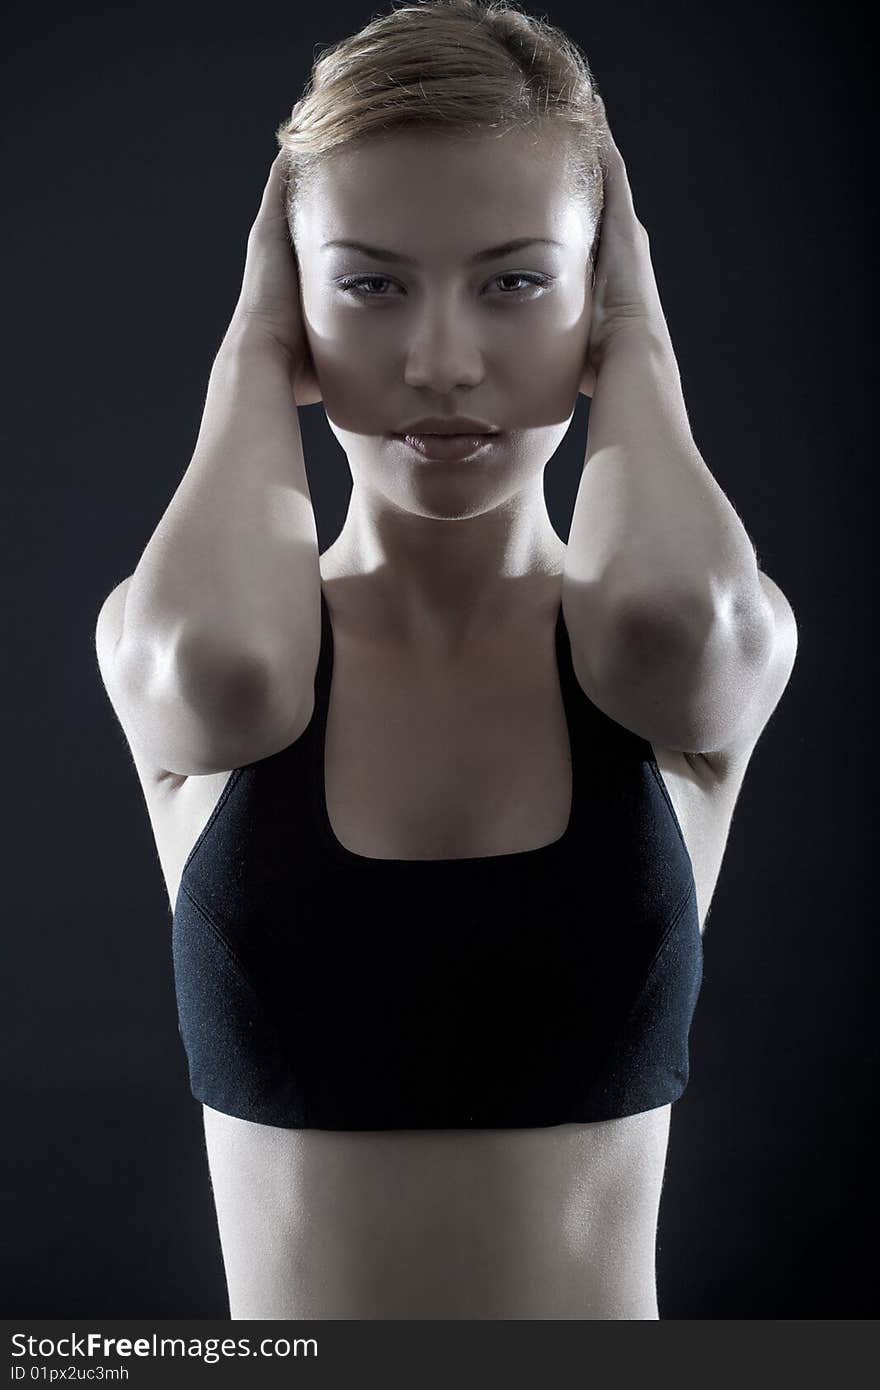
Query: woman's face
{"points": [[432, 321]]}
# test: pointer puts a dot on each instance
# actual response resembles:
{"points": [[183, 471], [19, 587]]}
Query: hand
{"points": [[625, 295], [270, 302]]}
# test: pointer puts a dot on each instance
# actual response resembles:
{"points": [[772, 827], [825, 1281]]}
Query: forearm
{"points": [[651, 528], [231, 571]]}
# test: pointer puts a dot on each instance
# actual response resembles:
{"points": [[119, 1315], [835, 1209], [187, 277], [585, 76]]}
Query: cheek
{"points": [[548, 360]]}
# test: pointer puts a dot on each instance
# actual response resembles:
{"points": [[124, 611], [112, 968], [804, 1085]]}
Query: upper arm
{"points": [[710, 697], [195, 721]]}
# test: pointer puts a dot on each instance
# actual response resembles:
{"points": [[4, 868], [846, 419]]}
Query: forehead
{"points": [[420, 192]]}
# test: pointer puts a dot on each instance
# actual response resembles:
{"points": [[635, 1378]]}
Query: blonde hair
{"points": [[454, 67]]}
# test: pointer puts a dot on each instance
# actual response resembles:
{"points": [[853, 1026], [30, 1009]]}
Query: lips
{"points": [[452, 448]]}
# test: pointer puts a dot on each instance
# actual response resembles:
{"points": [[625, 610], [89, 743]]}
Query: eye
{"points": [[530, 279], [355, 284]]}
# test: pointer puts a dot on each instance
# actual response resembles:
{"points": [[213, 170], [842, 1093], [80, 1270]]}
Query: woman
{"points": [[441, 810]]}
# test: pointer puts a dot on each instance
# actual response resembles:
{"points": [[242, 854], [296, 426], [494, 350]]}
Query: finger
{"points": [[272, 202], [618, 193], [609, 145]]}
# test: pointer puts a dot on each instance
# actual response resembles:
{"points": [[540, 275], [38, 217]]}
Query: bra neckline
{"points": [[554, 847]]}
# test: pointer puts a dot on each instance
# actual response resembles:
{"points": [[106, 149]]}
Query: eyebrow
{"points": [[491, 253]]}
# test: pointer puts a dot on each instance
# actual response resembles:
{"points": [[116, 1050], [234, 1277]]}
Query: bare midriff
{"points": [[550, 1222]]}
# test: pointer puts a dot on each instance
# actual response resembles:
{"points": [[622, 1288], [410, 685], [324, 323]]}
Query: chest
{"points": [[423, 765]]}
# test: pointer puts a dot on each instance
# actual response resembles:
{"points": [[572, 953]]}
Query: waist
{"points": [[550, 1222]]}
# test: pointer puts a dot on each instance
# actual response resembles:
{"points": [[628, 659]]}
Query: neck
{"points": [[441, 582]]}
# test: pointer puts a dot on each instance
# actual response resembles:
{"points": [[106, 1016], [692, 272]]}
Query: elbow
{"points": [[670, 626], [229, 681]]}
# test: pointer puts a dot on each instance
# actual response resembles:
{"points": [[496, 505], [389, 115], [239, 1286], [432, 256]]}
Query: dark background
{"points": [[136, 143]]}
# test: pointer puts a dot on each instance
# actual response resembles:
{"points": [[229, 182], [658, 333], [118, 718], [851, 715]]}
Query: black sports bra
{"points": [[317, 988]]}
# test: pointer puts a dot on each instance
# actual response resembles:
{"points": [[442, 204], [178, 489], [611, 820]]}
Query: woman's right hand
{"points": [[270, 303]]}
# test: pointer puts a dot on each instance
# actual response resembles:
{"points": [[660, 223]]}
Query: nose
{"points": [[442, 352]]}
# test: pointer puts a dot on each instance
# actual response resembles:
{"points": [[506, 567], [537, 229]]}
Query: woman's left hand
{"points": [[626, 300]]}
